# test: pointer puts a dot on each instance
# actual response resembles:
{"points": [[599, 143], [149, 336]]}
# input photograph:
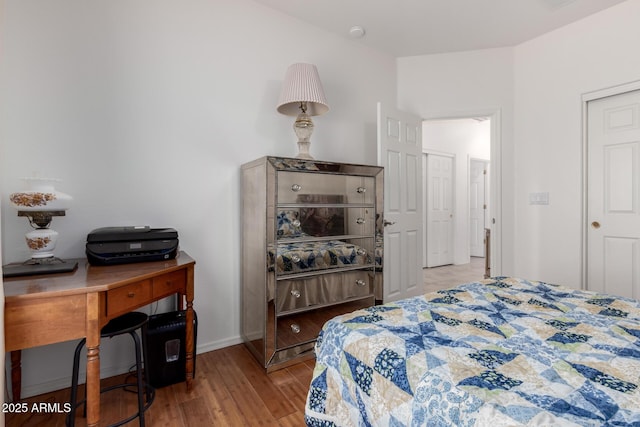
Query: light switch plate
{"points": [[539, 198]]}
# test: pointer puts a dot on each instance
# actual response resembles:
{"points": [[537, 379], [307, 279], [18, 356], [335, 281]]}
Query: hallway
{"points": [[448, 276]]}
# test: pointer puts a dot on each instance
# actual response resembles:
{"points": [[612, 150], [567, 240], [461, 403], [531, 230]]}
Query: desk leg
{"points": [[189, 342], [16, 374], [93, 360], [189, 346]]}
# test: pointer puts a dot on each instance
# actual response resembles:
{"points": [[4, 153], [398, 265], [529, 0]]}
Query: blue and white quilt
{"points": [[499, 352]]}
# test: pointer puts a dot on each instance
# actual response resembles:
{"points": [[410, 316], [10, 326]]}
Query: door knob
{"points": [[595, 225], [385, 222]]}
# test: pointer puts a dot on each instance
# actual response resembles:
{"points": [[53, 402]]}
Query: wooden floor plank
{"points": [[290, 386], [196, 412], [221, 404], [271, 395], [166, 412], [303, 372], [294, 420], [246, 398]]}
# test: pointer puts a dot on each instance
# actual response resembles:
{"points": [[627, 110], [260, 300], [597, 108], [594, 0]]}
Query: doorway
{"points": [[468, 141]]}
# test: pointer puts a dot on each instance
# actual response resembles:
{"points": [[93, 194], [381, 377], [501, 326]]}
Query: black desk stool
{"points": [[125, 324]]}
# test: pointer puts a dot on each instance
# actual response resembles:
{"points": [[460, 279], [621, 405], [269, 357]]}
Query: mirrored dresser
{"points": [[311, 250]]}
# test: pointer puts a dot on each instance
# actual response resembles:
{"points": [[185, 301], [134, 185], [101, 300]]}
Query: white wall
{"points": [[551, 74], [465, 139], [146, 109], [466, 84]]}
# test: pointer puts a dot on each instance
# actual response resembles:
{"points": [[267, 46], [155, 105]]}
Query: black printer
{"points": [[121, 245]]}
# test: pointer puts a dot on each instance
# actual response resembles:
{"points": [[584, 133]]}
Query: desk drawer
{"points": [[39, 321], [169, 284], [127, 298]]}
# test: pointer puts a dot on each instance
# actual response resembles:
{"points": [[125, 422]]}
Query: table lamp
{"points": [[302, 96], [40, 203]]}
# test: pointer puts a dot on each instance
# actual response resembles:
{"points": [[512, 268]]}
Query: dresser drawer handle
{"points": [[360, 221], [295, 293], [360, 282], [131, 294], [361, 190], [295, 328], [296, 187]]}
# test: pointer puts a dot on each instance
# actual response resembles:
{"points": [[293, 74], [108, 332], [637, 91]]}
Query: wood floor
{"points": [[451, 275], [231, 389]]}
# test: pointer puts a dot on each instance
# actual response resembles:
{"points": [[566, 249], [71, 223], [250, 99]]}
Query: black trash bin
{"points": [[166, 348]]}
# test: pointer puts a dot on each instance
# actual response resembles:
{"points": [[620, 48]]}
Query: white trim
{"points": [[610, 91], [586, 98], [495, 115], [437, 152]]}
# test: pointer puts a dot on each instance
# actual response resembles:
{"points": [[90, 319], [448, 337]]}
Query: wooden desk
{"points": [[47, 309]]}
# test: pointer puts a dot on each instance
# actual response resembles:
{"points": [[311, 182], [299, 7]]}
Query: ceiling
{"points": [[421, 27]]}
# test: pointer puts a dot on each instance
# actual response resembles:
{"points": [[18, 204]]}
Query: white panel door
{"points": [[400, 151], [478, 170], [613, 238], [439, 215]]}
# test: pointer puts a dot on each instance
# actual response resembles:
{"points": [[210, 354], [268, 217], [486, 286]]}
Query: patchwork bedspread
{"points": [[500, 352]]}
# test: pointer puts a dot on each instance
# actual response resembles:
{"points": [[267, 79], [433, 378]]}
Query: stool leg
{"points": [[145, 360], [141, 386], [71, 419]]}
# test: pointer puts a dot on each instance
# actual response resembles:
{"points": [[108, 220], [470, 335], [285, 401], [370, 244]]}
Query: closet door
{"points": [[439, 210]]}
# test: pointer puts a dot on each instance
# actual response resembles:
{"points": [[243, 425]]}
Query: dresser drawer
{"points": [[302, 327], [169, 284], [127, 298], [303, 187], [322, 290]]}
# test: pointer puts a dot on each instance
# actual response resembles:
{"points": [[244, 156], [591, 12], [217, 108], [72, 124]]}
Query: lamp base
{"points": [[303, 150], [303, 127]]}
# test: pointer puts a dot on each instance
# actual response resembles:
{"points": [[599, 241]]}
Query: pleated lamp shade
{"points": [[302, 84]]}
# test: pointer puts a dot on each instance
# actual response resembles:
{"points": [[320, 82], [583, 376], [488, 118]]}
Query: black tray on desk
{"points": [[32, 268]]}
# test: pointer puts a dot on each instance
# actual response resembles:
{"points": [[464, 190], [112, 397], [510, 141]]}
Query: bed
{"points": [[499, 352]]}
